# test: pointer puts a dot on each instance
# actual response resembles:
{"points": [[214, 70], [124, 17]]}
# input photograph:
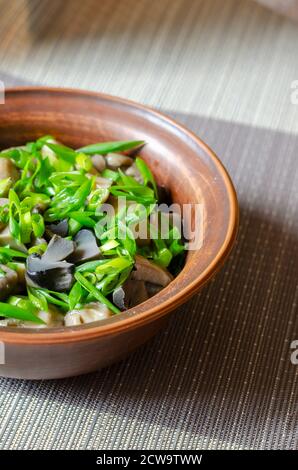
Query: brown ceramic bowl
{"points": [[179, 160]]}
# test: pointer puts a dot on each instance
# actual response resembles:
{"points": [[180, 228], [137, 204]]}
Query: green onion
{"points": [[107, 147], [75, 295], [11, 311], [12, 253], [95, 293]]}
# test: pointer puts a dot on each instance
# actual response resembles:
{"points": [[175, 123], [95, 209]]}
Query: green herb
{"points": [[108, 147], [11, 311], [95, 292]]}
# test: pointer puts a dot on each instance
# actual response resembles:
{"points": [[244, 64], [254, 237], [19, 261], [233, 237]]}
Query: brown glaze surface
{"points": [[179, 160]]}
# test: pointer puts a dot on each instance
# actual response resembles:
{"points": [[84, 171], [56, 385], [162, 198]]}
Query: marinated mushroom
{"points": [[98, 162], [8, 170], [58, 249], [145, 270], [130, 294], [8, 281], [86, 248], [6, 238], [91, 312], [53, 275], [60, 229], [117, 160]]}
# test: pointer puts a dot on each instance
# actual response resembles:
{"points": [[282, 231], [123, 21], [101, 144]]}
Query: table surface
{"points": [[220, 375]]}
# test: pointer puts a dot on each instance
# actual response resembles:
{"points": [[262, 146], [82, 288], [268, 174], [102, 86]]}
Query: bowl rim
{"points": [[69, 335]]}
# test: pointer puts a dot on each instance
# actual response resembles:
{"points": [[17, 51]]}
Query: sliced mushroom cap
{"points": [[135, 173], [86, 247], [57, 276], [130, 294], [8, 170], [58, 249], [152, 289], [4, 201], [21, 272], [8, 281], [92, 312], [6, 238], [98, 162], [52, 318], [116, 160], [60, 229], [103, 183], [145, 270]]}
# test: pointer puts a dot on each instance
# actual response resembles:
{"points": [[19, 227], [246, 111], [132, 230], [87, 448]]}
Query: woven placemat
{"points": [[220, 375]]}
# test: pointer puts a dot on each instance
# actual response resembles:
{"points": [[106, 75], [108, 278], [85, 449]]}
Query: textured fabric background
{"points": [[220, 375]]}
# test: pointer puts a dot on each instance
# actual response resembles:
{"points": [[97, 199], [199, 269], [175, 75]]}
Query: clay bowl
{"points": [[179, 160]]}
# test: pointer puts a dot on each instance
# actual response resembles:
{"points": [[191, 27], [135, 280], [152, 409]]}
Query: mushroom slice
{"points": [[103, 183], [60, 229], [86, 247], [145, 270], [52, 318], [92, 312], [8, 170], [8, 281], [152, 289], [6, 238], [57, 276], [58, 249], [21, 271], [98, 162], [4, 201], [135, 173], [130, 294], [116, 160]]}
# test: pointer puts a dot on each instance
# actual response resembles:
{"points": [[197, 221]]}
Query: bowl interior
{"points": [[177, 158]]}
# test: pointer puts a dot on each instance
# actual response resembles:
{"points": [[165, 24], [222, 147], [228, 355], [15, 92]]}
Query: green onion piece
{"points": [[73, 227], [146, 174], [66, 153], [93, 291], [106, 147], [83, 219], [110, 174], [37, 299], [37, 225], [75, 295], [83, 162], [11, 311], [12, 253], [90, 266], [50, 297], [109, 245], [5, 186]]}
